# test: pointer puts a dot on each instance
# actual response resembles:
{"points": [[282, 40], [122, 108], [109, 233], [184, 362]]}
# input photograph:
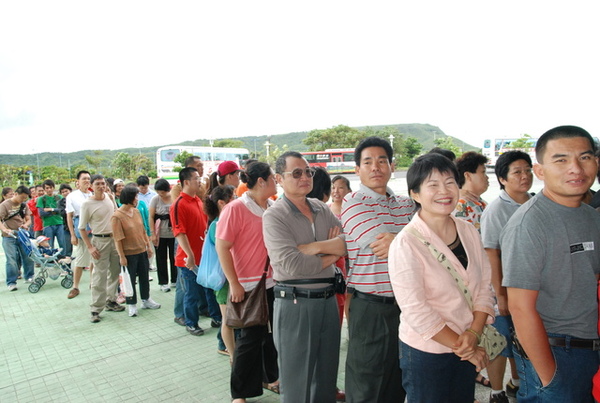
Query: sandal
{"points": [[272, 387], [482, 380]]}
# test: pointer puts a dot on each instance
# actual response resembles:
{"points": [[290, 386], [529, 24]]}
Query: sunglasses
{"points": [[297, 173]]}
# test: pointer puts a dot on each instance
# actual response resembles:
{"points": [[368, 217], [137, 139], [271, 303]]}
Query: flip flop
{"points": [[483, 381], [273, 388]]}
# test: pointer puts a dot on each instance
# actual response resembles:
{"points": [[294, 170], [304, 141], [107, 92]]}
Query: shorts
{"points": [[82, 255], [504, 325], [221, 295]]}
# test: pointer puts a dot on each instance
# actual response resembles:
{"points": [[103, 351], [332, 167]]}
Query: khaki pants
{"points": [[105, 276]]}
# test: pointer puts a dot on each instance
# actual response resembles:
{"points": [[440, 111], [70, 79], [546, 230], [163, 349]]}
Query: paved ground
{"points": [[52, 353]]}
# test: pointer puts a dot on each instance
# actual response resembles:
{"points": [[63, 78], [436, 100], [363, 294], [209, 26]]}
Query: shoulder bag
{"points": [[253, 310], [492, 341]]}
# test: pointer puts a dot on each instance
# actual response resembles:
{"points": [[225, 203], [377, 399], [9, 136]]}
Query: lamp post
{"points": [[268, 146]]}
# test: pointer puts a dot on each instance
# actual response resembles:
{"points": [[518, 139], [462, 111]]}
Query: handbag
{"points": [[210, 273], [125, 282], [492, 341], [253, 310]]}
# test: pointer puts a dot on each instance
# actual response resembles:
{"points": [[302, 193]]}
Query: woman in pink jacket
{"points": [[439, 331]]}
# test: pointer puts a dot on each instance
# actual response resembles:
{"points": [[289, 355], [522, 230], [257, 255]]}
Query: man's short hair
{"points": [[82, 172], [48, 182], [128, 194], [186, 174], [191, 161], [64, 186], [280, 163], [503, 163], [373, 142], [23, 190], [442, 151], [469, 162], [95, 177], [142, 180], [561, 132]]}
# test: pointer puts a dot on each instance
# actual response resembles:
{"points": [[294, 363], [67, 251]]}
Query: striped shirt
{"points": [[366, 214]]}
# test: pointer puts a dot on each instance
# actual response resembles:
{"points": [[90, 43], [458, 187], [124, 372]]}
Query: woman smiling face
{"points": [[438, 194]]}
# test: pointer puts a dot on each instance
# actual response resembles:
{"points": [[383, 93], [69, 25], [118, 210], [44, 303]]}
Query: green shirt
{"points": [[49, 217]]}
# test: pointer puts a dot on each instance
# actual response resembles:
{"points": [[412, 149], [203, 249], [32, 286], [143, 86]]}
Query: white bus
{"points": [[211, 157], [493, 148]]}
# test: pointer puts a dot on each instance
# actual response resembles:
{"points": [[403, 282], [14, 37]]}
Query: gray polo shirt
{"points": [[285, 227], [495, 217]]}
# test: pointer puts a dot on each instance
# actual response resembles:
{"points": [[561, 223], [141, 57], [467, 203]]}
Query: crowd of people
{"points": [[422, 275]]}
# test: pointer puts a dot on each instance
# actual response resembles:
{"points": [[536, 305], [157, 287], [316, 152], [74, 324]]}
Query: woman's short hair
{"points": [[469, 162], [343, 179], [503, 163], [128, 194], [424, 166], [162, 184]]}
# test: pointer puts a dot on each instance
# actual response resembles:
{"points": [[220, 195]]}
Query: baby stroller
{"points": [[50, 266]]}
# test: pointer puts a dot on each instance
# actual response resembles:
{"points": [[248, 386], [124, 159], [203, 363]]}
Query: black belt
{"points": [[575, 343], [103, 235], [374, 298], [293, 292]]}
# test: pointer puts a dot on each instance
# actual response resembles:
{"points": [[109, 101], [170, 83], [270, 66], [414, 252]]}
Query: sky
{"points": [[78, 75]]}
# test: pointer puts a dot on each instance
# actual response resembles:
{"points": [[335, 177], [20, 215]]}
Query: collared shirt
{"points": [[74, 201], [285, 227], [146, 197], [427, 294], [187, 217], [366, 214], [495, 217]]}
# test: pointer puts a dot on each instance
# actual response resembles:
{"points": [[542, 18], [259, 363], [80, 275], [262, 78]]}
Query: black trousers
{"points": [[254, 358], [138, 266], [165, 255]]}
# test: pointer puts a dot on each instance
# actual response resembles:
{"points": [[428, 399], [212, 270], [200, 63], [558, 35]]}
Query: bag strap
{"points": [[441, 258]]}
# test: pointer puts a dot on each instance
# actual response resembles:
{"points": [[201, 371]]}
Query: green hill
{"points": [[425, 133]]}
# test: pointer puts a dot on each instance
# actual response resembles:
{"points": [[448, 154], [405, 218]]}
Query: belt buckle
{"points": [[596, 345]]}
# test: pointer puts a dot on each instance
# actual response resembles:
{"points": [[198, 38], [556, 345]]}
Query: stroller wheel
{"points": [[34, 287], [67, 282], [40, 281]]}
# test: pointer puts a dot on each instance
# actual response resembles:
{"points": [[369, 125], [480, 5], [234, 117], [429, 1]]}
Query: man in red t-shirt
{"points": [[189, 227], [38, 225]]}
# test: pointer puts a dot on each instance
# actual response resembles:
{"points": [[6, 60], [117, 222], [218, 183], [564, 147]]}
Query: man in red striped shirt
{"points": [[371, 218]]}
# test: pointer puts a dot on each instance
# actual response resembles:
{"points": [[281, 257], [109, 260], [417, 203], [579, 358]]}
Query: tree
{"points": [[522, 143], [123, 166], [448, 144], [340, 136], [229, 143], [95, 160], [411, 147]]}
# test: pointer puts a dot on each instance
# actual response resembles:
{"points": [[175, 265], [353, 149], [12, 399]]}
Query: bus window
{"points": [[487, 144]]}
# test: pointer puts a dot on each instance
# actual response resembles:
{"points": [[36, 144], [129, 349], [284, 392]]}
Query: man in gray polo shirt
{"points": [[301, 238], [551, 263]]}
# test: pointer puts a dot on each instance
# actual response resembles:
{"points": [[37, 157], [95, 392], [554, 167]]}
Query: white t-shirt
{"points": [[74, 201]]}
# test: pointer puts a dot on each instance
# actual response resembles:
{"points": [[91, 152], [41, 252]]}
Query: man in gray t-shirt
{"points": [[551, 263]]}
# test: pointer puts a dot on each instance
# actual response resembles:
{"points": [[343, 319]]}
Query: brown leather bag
{"points": [[253, 310]]}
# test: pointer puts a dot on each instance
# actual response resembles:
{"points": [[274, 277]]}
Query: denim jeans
{"points": [[15, 252], [428, 377], [178, 306], [191, 296], [572, 381], [57, 231]]}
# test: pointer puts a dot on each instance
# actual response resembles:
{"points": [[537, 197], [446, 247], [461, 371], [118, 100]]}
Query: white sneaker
{"points": [[29, 280], [165, 288], [173, 285], [149, 304], [132, 310], [12, 287]]}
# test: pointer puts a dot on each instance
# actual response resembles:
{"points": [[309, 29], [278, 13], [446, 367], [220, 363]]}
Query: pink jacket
{"points": [[427, 294]]}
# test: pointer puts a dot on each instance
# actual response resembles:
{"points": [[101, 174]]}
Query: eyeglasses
{"points": [[297, 173]]}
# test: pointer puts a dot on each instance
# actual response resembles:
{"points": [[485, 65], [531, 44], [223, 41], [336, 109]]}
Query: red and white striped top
{"points": [[366, 214]]}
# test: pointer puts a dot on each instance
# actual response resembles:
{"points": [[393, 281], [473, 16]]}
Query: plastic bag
{"points": [[125, 282], [210, 274]]}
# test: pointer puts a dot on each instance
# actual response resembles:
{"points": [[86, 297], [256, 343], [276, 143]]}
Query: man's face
{"points": [[49, 190], [143, 189], [65, 192], [84, 182], [295, 187], [375, 169], [39, 190], [568, 170], [199, 166], [193, 184], [99, 186]]}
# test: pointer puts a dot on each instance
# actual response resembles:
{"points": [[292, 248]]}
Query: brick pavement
{"points": [[52, 353]]}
